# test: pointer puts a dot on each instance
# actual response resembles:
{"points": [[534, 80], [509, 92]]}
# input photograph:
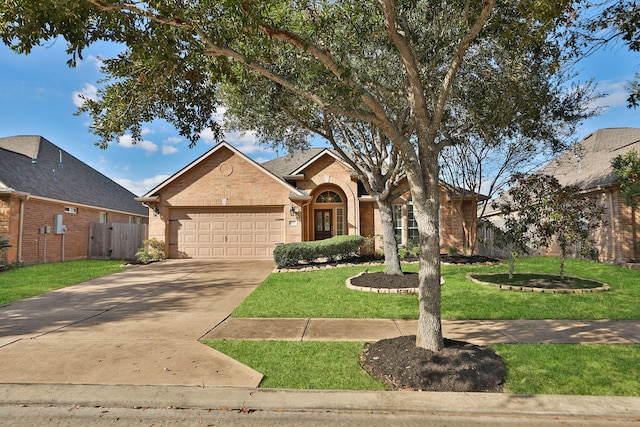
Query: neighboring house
{"points": [[48, 198], [225, 205], [588, 165]]}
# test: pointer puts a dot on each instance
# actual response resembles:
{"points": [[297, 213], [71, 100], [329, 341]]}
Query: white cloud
{"points": [[148, 146], [169, 149], [247, 142], [141, 187], [89, 91], [615, 95], [173, 140], [96, 61], [207, 136]]}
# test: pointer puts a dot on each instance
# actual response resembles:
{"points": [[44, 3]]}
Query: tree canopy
{"points": [[401, 67]]}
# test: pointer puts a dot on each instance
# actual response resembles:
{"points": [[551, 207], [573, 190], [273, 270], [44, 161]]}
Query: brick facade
{"points": [[226, 178], [38, 247]]}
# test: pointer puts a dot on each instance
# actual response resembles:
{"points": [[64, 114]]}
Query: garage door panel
{"points": [[240, 232]]}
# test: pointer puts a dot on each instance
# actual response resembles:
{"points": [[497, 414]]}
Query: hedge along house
{"points": [[225, 205], [48, 199]]}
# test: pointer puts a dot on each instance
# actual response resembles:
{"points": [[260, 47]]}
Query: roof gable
{"points": [[588, 163], [34, 165], [296, 163], [207, 155]]}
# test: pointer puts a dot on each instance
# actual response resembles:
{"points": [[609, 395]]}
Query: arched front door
{"points": [[328, 215]]}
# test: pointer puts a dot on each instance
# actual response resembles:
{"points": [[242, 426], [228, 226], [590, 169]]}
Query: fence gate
{"points": [[115, 240]]}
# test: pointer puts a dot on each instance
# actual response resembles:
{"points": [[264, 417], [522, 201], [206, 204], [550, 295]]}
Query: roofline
{"points": [[11, 191], [82, 205], [316, 157], [206, 155]]}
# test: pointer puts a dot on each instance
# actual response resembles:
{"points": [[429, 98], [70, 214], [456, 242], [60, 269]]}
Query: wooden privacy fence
{"points": [[116, 241]]}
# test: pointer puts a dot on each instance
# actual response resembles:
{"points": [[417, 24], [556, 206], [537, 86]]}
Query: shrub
{"points": [[452, 251], [153, 251], [402, 252], [290, 254]]}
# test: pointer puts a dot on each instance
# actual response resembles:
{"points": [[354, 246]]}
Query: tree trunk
{"points": [[563, 255], [391, 258], [426, 206], [512, 265]]}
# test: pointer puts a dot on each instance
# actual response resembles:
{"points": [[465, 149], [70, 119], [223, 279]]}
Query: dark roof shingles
{"points": [[70, 180]]}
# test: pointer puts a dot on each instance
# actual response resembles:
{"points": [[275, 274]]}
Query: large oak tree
{"points": [[391, 64]]}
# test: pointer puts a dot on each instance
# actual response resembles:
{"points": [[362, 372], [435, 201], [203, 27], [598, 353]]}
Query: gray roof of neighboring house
{"points": [[588, 164], [31, 164]]}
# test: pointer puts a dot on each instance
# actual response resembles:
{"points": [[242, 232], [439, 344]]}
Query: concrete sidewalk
{"points": [[479, 332]]}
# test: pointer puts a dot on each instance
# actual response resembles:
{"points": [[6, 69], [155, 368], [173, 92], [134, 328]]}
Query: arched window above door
{"points": [[329, 197]]}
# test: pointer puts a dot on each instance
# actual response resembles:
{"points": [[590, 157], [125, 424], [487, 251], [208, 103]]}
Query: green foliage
{"points": [[290, 254], [152, 251], [618, 21], [537, 208], [627, 170], [452, 251]]}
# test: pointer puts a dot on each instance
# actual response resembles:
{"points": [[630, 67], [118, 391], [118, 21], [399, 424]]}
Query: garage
{"points": [[225, 232]]}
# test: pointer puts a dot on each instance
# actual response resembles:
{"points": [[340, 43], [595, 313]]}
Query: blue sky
{"points": [[39, 95]]}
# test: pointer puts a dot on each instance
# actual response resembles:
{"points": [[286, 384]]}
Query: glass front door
{"points": [[324, 224]]}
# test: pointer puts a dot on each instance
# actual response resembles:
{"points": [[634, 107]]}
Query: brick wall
{"points": [[73, 245]]}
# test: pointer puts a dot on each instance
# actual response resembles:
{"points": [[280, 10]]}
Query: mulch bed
{"points": [[459, 367], [380, 280]]}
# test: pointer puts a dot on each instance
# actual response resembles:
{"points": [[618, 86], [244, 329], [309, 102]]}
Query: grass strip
{"points": [[303, 365], [573, 369], [25, 282], [576, 369]]}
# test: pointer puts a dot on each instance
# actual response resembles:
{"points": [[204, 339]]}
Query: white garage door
{"points": [[225, 232]]}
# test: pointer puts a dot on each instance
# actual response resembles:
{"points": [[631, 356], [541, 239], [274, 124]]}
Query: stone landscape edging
{"points": [[378, 290], [605, 287]]}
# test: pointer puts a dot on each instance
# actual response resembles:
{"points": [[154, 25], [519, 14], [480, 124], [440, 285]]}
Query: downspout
{"points": [[23, 198], [612, 219]]}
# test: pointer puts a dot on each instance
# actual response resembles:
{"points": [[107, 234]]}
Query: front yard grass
{"points": [[596, 370], [25, 282], [323, 293], [532, 368]]}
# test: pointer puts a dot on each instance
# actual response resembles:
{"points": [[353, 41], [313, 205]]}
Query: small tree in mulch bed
{"points": [[538, 208], [522, 208]]}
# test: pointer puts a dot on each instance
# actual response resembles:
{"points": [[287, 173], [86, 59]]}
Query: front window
{"points": [[412, 225], [339, 221], [397, 222], [329, 197]]}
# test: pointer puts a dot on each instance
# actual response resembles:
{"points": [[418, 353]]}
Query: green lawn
{"points": [[25, 282], [532, 368], [597, 370], [323, 293]]}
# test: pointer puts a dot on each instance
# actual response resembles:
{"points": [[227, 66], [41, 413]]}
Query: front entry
{"points": [[324, 221]]}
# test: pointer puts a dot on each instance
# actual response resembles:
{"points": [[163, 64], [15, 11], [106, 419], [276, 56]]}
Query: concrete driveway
{"points": [[138, 327]]}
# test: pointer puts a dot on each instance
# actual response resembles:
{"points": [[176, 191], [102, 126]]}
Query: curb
{"points": [[243, 399]]}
